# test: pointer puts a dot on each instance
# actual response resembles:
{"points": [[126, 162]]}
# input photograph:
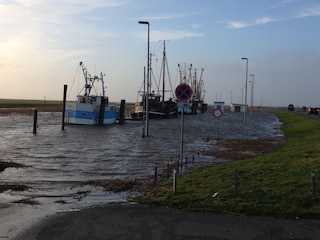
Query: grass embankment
{"points": [[26, 102], [24, 106], [274, 184]]}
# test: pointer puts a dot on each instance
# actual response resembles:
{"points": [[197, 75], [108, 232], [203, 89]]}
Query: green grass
{"points": [[275, 184]]}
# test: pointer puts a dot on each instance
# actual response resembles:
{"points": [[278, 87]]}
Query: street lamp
{"points": [[148, 80], [252, 90], [245, 98]]}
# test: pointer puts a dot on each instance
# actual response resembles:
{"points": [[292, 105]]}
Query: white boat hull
{"points": [[88, 114]]}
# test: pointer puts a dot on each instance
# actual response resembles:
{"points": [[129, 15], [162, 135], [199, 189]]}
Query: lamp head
{"points": [[144, 22]]}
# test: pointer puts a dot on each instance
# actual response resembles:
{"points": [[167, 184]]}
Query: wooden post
{"points": [[313, 183], [35, 120], [121, 113], [64, 104], [175, 180], [155, 176], [102, 111], [236, 174]]}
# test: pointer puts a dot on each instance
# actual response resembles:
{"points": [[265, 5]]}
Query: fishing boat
{"points": [[89, 108], [190, 76], [158, 107]]}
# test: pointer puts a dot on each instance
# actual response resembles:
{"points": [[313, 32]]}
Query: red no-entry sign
{"points": [[217, 113]]}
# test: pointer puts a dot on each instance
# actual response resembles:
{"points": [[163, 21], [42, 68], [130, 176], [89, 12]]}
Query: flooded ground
{"points": [[58, 162]]}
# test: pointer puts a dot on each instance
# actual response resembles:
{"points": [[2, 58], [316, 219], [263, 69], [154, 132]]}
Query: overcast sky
{"points": [[43, 41]]}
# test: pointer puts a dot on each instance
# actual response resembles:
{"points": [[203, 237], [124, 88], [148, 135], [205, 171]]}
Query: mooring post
{"points": [[168, 169], [175, 180], [177, 165], [236, 174], [64, 104], [35, 119], [102, 111], [313, 182], [121, 113]]}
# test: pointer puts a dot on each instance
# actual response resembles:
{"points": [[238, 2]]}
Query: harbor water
{"points": [[57, 162]]}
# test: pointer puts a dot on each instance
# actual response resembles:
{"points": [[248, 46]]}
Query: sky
{"points": [[43, 41]]}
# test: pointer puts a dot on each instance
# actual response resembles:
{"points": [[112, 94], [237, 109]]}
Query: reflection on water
{"points": [[57, 159]]}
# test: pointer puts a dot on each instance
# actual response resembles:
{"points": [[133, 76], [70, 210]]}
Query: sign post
{"points": [[183, 93], [217, 114]]}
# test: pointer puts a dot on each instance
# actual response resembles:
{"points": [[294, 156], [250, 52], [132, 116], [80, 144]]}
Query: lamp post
{"points": [[241, 95], [245, 95], [148, 80], [252, 90]]}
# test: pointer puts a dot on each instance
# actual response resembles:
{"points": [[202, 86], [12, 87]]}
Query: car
{"points": [[313, 110], [290, 107]]}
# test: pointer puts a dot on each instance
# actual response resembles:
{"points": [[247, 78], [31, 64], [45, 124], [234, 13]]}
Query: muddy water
{"points": [[56, 159]]}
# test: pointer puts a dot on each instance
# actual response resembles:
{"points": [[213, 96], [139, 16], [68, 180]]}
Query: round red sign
{"points": [[217, 113]]}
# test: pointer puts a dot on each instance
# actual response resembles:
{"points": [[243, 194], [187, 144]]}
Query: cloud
{"points": [[173, 35], [307, 12], [165, 16], [197, 26], [58, 7], [282, 3], [310, 12], [259, 21]]}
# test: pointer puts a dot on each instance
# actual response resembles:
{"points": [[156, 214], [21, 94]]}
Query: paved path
{"points": [[134, 221]]}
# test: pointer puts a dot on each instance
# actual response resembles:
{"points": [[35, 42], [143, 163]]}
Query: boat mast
{"points": [[200, 85], [164, 72], [189, 81], [101, 78], [194, 84]]}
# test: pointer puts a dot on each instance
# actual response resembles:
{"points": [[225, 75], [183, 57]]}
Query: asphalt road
{"points": [[134, 221]]}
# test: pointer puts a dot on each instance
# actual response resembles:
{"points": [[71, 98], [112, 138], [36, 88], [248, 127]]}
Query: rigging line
{"points": [[172, 94], [154, 79], [77, 73]]}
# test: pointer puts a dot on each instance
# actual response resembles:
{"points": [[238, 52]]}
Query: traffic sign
{"points": [[183, 92], [217, 113]]}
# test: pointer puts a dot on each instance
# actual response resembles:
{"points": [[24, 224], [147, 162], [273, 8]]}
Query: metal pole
{"points": [[148, 78], [241, 95], [251, 99], [181, 137], [252, 90], [245, 97], [144, 103]]}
